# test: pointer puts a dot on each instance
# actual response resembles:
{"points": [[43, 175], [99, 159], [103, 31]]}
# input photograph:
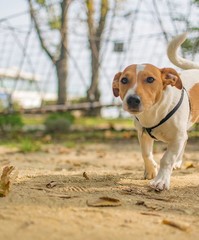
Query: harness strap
{"points": [[148, 130]]}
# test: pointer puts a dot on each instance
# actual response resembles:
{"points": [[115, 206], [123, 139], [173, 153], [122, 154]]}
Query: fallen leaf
{"points": [[64, 150], [161, 199], [189, 164], [150, 214], [181, 226], [5, 181], [140, 203], [38, 188], [76, 164], [51, 184], [104, 202], [85, 176], [61, 196]]}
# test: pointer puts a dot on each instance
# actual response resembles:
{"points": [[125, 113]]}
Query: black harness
{"points": [[149, 130]]}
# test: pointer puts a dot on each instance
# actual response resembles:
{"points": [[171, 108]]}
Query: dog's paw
{"points": [[162, 181], [151, 171], [177, 165]]}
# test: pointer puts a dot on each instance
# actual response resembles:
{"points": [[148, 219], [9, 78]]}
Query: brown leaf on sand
{"points": [[150, 214], [181, 226], [5, 180], [104, 202], [64, 150], [86, 176], [61, 196], [51, 184], [142, 203], [189, 164]]}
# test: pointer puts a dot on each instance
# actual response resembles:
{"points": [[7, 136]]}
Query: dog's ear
{"points": [[115, 84], [170, 77]]}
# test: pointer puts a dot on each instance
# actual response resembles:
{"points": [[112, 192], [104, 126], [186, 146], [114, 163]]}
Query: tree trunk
{"points": [[60, 60], [61, 69], [93, 93], [95, 37], [61, 63]]}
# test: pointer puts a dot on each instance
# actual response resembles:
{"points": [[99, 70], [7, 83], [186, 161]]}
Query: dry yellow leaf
{"points": [[189, 164], [181, 226], [5, 180]]}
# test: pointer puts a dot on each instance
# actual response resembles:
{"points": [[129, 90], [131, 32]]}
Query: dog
{"points": [[165, 104]]}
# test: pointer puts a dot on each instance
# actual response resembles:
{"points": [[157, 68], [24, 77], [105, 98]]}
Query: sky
{"points": [[12, 7]]}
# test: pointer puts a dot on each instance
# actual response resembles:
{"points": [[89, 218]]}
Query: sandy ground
{"points": [[115, 170]]}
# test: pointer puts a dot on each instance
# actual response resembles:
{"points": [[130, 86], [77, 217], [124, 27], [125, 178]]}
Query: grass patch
{"points": [[83, 122], [86, 130], [70, 144], [33, 119], [98, 122], [29, 145]]}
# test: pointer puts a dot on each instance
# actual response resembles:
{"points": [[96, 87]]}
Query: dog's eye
{"points": [[150, 79], [124, 80]]}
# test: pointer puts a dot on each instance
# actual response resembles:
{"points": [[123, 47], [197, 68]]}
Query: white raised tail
{"points": [[172, 52]]}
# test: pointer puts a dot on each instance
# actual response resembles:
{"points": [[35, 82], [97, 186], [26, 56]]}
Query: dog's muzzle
{"points": [[133, 102]]}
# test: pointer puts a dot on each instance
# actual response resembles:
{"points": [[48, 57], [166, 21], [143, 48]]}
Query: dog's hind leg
{"points": [[146, 144]]}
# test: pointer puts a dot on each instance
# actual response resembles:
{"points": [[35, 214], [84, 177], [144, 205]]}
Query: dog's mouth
{"points": [[134, 111]]}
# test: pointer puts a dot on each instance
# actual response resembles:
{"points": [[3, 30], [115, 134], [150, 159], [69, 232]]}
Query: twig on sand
{"points": [[181, 226]]}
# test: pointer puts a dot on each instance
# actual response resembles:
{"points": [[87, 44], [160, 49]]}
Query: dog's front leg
{"points": [[178, 161], [174, 149], [146, 144]]}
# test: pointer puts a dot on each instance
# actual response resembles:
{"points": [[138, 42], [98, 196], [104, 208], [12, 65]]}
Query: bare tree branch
{"points": [[160, 21], [103, 14], [95, 32], [63, 29], [91, 26], [37, 27]]}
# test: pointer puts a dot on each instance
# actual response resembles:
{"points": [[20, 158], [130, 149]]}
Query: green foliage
{"points": [[55, 24], [99, 122], [28, 145], [70, 144], [54, 21], [11, 122], [191, 45], [41, 2], [187, 45], [79, 100], [59, 122], [196, 2]]}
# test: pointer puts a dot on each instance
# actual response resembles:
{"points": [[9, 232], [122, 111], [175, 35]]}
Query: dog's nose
{"points": [[133, 101]]}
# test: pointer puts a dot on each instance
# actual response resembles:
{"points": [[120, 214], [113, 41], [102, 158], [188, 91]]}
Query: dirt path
{"points": [[115, 170]]}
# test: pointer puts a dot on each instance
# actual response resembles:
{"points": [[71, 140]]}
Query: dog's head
{"points": [[141, 86]]}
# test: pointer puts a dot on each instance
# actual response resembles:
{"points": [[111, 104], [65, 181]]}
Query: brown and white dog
{"points": [[165, 105]]}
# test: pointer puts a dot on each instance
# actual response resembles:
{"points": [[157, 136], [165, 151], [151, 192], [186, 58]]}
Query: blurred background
{"points": [[61, 56]]}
